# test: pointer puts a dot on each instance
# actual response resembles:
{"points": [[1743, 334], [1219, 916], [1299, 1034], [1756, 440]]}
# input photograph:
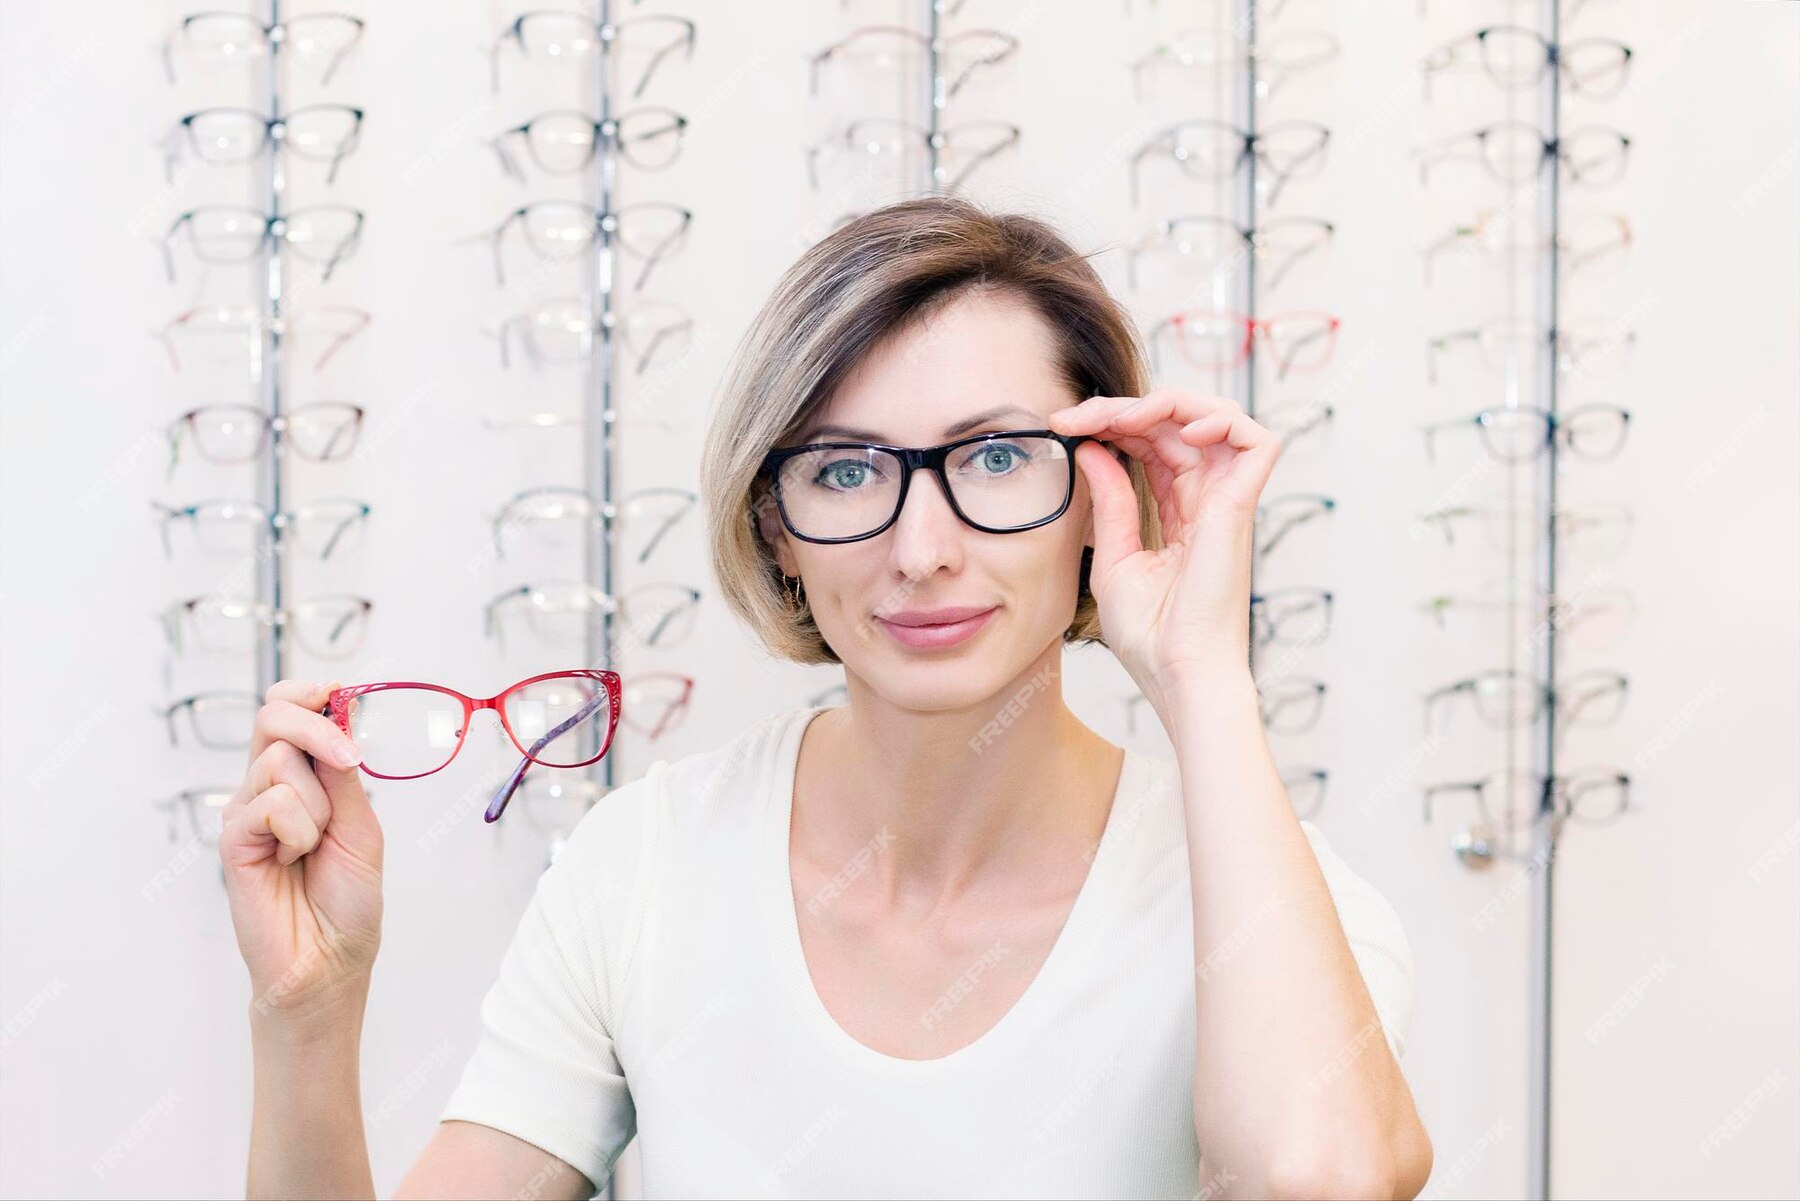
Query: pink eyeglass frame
{"points": [[1253, 326], [337, 708]]}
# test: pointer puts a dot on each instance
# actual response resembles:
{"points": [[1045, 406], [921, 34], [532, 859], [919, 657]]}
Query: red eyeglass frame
{"points": [[337, 708], [1251, 327]]}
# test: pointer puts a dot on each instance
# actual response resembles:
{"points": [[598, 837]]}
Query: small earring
{"points": [[796, 590]]}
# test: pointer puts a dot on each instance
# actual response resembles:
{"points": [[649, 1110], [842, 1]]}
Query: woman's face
{"points": [[984, 363]]}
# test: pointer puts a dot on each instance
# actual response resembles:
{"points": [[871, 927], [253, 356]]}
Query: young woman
{"points": [[943, 940]]}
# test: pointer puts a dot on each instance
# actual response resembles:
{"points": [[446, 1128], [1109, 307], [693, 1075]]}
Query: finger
{"points": [[276, 818], [1145, 427], [1100, 412], [1256, 447], [1210, 430], [1168, 404], [284, 763], [1239, 430], [282, 719], [1159, 473], [1117, 522], [301, 692], [1158, 419], [1254, 443], [1088, 415]]}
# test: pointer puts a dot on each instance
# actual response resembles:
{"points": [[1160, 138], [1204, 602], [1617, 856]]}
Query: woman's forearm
{"points": [[1295, 1090], [306, 1122]]}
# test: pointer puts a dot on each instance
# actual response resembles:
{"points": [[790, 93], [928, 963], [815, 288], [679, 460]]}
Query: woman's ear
{"points": [[767, 519]]}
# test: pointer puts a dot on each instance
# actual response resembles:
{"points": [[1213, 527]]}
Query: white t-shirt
{"points": [[656, 985]]}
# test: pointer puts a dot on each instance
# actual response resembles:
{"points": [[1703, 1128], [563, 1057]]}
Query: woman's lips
{"points": [[932, 637]]}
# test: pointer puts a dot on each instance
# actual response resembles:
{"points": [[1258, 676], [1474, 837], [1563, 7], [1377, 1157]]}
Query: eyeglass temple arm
{"points": [[337, 343], [167, 514], [1011, 139], [510, 785], [662, 248], [343, 528], [507, 163], [1473, 787], [344, 148], [339, 58], [655, 539], [342, 252], [656, 61]]}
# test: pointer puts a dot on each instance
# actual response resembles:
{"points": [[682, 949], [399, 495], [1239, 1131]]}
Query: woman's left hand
{"points": [[1182, 612]]}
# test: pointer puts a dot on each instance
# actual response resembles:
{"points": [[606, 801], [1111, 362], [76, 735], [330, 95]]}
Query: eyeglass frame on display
{"points": [[268, 35], [282, 520], [275, 227], [606, 34], [274, 133]]}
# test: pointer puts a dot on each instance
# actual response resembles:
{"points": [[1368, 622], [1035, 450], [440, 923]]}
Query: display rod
{"points": [[1246, 25], [271, 567], [1544, 831], [934, 97], [599, 566]]}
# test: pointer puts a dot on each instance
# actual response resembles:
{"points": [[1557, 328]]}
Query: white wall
{"points": [[124, 1066]]}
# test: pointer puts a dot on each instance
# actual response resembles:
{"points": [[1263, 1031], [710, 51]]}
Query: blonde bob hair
{"points": [[869, 279]]}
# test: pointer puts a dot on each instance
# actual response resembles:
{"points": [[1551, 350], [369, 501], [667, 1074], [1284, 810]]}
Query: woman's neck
{"points": [[932, 805]]}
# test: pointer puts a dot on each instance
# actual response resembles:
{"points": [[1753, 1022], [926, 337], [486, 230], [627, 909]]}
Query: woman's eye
{"points": [[844, 474], [996, 458]]}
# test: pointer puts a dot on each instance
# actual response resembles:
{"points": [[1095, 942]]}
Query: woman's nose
{"points": [[926, 532]]}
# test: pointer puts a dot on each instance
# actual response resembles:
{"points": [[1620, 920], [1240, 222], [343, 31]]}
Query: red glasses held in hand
{"points": [[406, 730]]}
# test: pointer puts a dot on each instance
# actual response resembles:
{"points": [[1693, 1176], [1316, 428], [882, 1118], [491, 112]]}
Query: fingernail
{"points": [[1134, 404], [345, 753]]}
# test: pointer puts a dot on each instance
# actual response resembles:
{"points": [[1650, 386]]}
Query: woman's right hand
{"points": [[301, 851]]}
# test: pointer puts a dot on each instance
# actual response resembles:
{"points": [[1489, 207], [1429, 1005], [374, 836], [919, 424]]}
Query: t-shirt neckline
{"points": [[789, 957]]}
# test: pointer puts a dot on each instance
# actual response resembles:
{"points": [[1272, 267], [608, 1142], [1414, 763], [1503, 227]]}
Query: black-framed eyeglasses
{"points": [[1515, 435], [1214, 151], [321, 234], [998, 483], [320, 133], [1515, 151], [1291, 705], [1515, 800], [1296, 616], [1306, 790], [1516, 57], [232, 527], [564, 141]]}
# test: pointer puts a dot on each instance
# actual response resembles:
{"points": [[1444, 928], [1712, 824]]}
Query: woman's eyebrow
{"points": [[951, 431]]}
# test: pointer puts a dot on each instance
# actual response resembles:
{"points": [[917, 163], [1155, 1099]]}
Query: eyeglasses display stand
{"points": [[271, 487], [599, 31], [261, 240], [1221, 138], [944, 59], [1535, 613], [600, 559]]}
